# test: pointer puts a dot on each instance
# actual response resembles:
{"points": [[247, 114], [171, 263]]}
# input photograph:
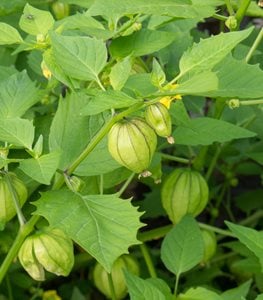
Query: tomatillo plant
{"points": [[131, 139]]}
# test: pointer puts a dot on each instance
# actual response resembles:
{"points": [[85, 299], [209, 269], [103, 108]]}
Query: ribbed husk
{"points": [[184, 192], [158, 117], [132, 144], [100, 276], [49, 249], [210, 245], [7, 207]]}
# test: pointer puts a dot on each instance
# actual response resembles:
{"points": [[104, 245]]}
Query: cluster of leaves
{"points": [[66, 79]]}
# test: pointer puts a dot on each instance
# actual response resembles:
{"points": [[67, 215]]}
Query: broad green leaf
{"points": [[238, 293], [41, 168], [98, 162], [259, 297], [199, 293], [35, 21], [86, 24], [179, 114], [104, 100], [70, 131], [88, 54], [114, 9], [5, 72], [18, 132], [104, 225], [57, 71], [157, 76], [120, 73], [257, 156], [141, 289], [9, 35], [200, 84], [205, 131], [17, 94], [238, 79], [141, 43], [177, 248], [209, 52], [134, 85], [252, 238]]}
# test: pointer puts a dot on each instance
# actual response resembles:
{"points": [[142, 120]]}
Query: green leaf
{"points": [[114, 9], [257, 156], [57, 71], [205, 131], [35, 21], [238, 293], [103, 225], [200, 84], [98, 162], [134, 85], [252, 238], [141, 43], [238, 79], [41, 168], [70, 131], [140, 289], [9, 35], [17, 94], [120, 73], [104, 100], [177, 248], [209, 52], [157, 76], [199, 293], [18, 132], [5, 72], [259, 297], [88, 54]]}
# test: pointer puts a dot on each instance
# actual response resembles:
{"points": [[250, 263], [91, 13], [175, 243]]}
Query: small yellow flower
{"points": [[167, 100], [45, 70]]}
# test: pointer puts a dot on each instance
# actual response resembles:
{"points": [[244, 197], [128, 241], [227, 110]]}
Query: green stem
{"points": [[154, 234], [16, 201], [257, 215], [175, 158], [242, 11], [148, 260], [212, 163], [229, 7], [9, 288], [112, 289], [219, 17], [24, 231], [251, 102], [255, 45], [125, 185], [176, 285], [215, 229]]}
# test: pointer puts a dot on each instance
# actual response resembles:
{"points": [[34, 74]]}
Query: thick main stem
{"points": [[24, 231]]}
